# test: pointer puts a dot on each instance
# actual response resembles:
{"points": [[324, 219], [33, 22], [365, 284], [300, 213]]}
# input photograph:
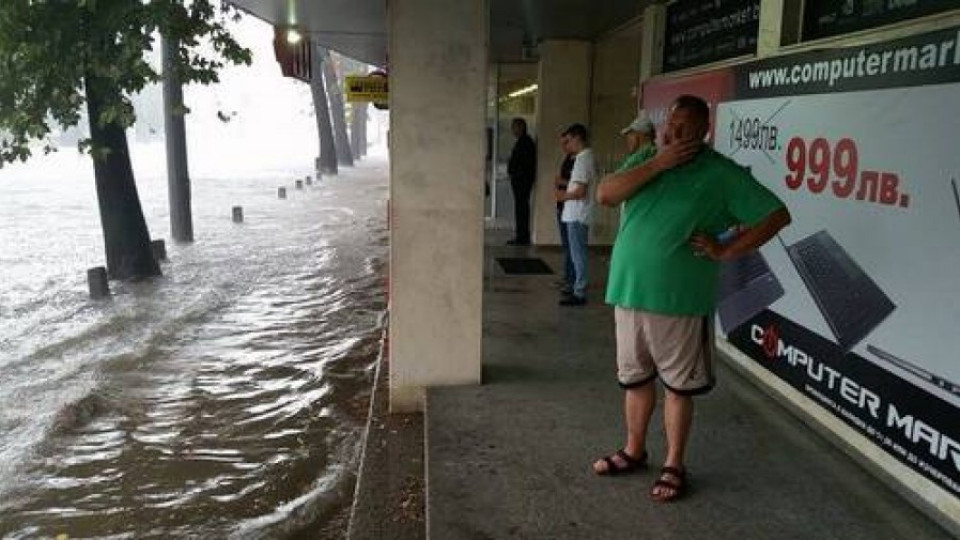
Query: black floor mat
{"points": [[523, 266]]}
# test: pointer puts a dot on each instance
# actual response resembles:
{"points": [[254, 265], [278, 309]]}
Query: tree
{"points": [[58, 57]]}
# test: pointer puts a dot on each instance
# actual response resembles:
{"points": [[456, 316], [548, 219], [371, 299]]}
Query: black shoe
{"points": [[573, 300], [516, 242]]}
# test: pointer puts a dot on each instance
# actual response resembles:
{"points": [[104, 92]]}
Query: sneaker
{"points": [[573, 300]]}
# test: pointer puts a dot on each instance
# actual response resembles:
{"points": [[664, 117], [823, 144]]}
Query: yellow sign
{"points": [[366, 88]]}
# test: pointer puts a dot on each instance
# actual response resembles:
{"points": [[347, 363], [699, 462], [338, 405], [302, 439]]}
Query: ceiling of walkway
{"points": [[357, 28]]}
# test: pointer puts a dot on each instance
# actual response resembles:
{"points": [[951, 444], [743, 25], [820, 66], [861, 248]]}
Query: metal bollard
{"points": [[282, 193], [238, 214], [97, 282], [159, 249]]}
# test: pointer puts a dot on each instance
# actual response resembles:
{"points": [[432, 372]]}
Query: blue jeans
{"points": [[569, 276], [577, 234]]}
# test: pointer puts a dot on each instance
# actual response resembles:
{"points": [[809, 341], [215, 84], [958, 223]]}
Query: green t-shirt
{"points": [[653, 268], [634, 160], [637, 158]]}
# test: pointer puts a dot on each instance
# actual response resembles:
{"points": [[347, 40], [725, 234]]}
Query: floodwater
{"points": [[224, 400]]}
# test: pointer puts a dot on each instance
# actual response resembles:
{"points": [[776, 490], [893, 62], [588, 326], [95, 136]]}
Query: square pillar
{"points": [[652, 40], [438, 78], [563, 99], [771, 27]]}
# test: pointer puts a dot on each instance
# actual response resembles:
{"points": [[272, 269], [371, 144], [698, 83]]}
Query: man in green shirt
{"points": [[641, 135], [663, 278]]}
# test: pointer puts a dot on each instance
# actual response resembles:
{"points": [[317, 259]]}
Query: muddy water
{"points": [[225, 399]]}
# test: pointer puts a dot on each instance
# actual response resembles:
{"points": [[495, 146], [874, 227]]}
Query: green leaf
{"points": [[50, 51]]}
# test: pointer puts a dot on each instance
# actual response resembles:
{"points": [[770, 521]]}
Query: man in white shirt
{"points": [[577, 209]]}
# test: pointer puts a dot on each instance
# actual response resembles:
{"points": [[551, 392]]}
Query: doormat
{"points": [[523, 266]]}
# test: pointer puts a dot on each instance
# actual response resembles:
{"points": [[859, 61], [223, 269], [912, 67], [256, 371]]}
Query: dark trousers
{"points": [[521, 209]]}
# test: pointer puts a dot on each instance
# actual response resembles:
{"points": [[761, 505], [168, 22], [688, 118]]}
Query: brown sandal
{"points": [[632, 464], [679, 486]]}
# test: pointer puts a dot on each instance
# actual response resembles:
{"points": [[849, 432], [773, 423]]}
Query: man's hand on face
{"points": [[676, 152], [682, 139]]}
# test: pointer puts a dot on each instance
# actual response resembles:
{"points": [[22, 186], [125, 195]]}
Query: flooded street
{"points": [[225, 399]]}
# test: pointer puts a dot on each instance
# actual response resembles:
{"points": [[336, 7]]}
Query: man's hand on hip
{"points": [[748, 239], [704, 244]]}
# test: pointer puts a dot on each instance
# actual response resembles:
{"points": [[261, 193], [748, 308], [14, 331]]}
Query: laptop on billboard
{"points": [[747, 287], [850, 301]]}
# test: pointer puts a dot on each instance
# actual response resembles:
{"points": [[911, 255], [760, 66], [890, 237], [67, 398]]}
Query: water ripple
{"points": [[224, 399]]}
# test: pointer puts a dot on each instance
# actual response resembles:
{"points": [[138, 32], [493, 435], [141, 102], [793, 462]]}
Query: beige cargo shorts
{"points": [[677, 349]]}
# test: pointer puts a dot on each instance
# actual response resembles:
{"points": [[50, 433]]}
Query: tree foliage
{"points": [[51, 49]]}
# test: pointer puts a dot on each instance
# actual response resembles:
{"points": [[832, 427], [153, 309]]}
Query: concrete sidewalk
{"points": [[511, 458]]}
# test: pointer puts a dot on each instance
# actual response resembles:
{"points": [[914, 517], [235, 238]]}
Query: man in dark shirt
{"points": [[522, 168], [565, 283]]}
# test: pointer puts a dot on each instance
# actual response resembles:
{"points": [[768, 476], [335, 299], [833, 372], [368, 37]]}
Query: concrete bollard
{"points": [[238, 214], [282, 193], [299, 184], [308, 180], [97, 282], [159, 249]]}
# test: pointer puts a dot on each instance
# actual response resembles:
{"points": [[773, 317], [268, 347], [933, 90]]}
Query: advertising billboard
{"points": [[857, 303]]}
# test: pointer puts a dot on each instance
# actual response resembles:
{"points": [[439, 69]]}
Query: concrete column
{"points": [[652, 41], [358, 129], [362, 138], [438, 70], [178, 175], [337, 111], [771, 27], [563, 99], [327, 161]]}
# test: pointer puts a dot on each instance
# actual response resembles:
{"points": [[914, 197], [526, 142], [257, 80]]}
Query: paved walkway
{"points": [[511, 458]]}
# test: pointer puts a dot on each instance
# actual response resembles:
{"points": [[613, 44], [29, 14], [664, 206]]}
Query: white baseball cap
{"points": [[640, 124]]}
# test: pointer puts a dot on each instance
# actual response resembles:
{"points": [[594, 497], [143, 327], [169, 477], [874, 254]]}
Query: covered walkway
{"points": [[511, 458]]}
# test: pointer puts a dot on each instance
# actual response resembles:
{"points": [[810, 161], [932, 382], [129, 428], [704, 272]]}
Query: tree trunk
{"points": [[175, 133], [125, 234], [337, 112], [328, 151]]}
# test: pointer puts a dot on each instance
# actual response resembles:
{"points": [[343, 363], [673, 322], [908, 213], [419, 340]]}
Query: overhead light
{"points": [[524, 91], [293, 36]]}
